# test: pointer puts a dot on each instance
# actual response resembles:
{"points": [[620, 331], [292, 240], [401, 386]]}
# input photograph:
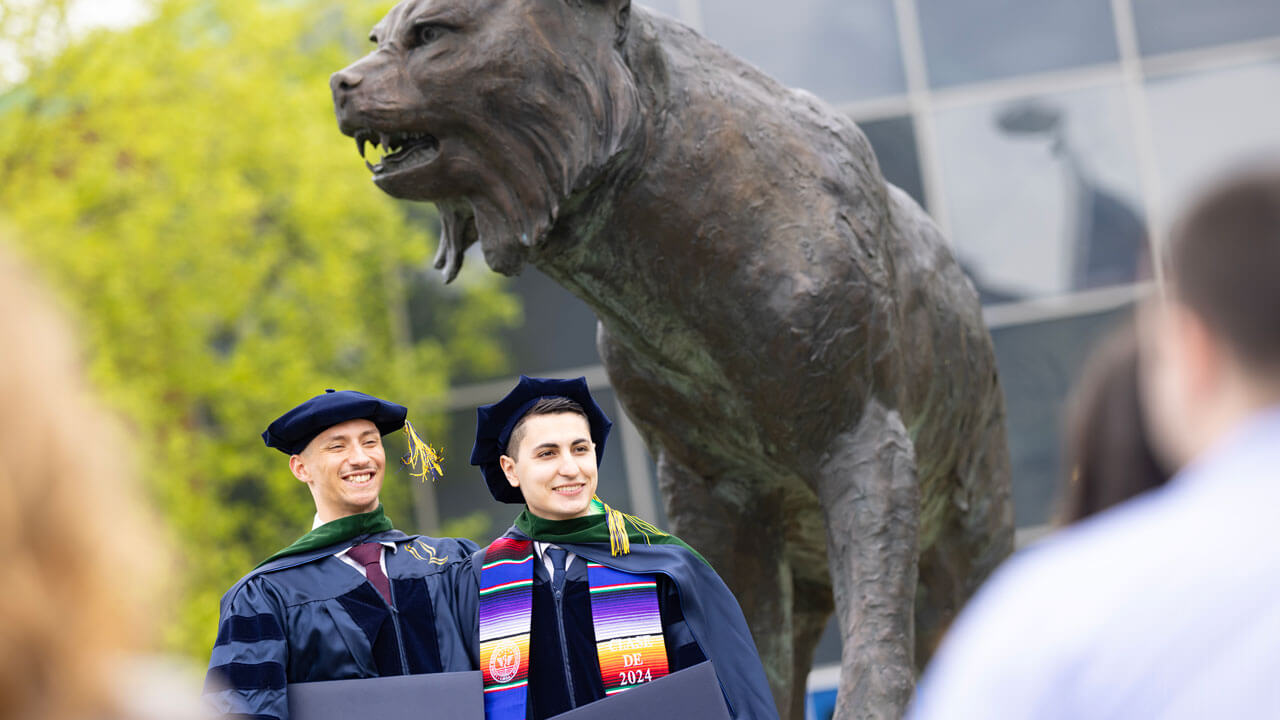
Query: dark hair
{"points": [[1224, 261], [1109, 458], [544, 406]]}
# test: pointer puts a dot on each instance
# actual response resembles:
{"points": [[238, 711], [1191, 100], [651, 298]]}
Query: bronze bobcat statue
{"points": [[791, 334]]}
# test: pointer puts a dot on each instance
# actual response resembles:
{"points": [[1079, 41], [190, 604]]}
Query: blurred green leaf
{"points": [[184, 185]]}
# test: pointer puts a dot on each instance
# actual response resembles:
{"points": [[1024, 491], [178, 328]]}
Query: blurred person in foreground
{"points": [[1167, 606], [82, 555], [1108, 447], [352, 598]]}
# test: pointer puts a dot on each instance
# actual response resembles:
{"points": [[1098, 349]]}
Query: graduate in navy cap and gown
{"points": [[353, 598], [578, 601]]}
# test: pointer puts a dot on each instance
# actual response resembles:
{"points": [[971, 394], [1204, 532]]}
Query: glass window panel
{"points": [[1171, 25], [836, 49], [557, 329], [1205, 121], [894, 140], [1043, 193], [612, 487], [1039, 364], [829, 648], [660, 517], [462, 490], [969, 41]]}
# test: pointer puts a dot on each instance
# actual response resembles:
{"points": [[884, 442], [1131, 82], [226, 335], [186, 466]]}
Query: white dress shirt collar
{"points": [[541, 547]]}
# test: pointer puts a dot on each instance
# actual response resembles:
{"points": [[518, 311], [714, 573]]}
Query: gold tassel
{"points": [[422, 459], [619, 542]]}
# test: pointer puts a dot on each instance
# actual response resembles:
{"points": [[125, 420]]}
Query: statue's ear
{"points": [[621, 10], [621, 20]]}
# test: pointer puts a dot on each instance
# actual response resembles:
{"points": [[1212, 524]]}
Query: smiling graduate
{"points": [[353, 598], [578, 601]]}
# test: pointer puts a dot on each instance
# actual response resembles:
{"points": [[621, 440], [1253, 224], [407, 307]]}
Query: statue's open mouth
{"points": [[396, 151]]}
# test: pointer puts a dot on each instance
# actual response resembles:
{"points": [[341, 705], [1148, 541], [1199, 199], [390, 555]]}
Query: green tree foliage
{"points": [[184, 185]]}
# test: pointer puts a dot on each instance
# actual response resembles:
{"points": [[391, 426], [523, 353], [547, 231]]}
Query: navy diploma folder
{"points": [[437, 696], [690, 693]]}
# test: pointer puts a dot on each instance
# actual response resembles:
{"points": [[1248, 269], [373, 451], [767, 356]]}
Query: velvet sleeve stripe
{"points": [[249, 629], [245, 676]]}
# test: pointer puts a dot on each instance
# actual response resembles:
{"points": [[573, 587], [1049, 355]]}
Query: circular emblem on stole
{"points": [[504, 661]]}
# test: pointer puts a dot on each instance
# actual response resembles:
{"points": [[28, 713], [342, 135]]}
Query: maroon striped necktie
{"points": [[369, 554]]}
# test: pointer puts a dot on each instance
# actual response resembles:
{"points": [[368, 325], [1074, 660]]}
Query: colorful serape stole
{"points": [[628, 627], [625, 618], [506, 605]]}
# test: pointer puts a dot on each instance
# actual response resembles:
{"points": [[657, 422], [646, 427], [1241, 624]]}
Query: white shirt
{"points": [[344, 557], [541, 547], [1165, 607]]}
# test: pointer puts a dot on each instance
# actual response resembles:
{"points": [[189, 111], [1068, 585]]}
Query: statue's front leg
{"points": [[739, 526], [868, 489]]}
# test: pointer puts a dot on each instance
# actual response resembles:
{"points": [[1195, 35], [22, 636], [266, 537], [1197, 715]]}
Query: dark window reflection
{"points": [[1043, 194], [1039, 363], [660, 516], [836, 49], [1107, 238], [462, 490], [612, 487], [1171, 25], [559, 330], [975, 40], [894, 140]]}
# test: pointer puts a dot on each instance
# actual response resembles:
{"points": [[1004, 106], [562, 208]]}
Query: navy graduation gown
{"points": [[550, 686], [701, 620], [311, 617]]}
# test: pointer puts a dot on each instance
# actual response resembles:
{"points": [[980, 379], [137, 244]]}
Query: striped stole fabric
{"points": [[628, 627], [625, 618], [506, 604]]}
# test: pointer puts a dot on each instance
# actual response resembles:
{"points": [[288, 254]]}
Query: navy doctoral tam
{"points": [[291, 432], [495, 422]]}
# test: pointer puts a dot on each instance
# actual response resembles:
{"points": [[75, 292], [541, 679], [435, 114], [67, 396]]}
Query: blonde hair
{"points": [[75, 574]]}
